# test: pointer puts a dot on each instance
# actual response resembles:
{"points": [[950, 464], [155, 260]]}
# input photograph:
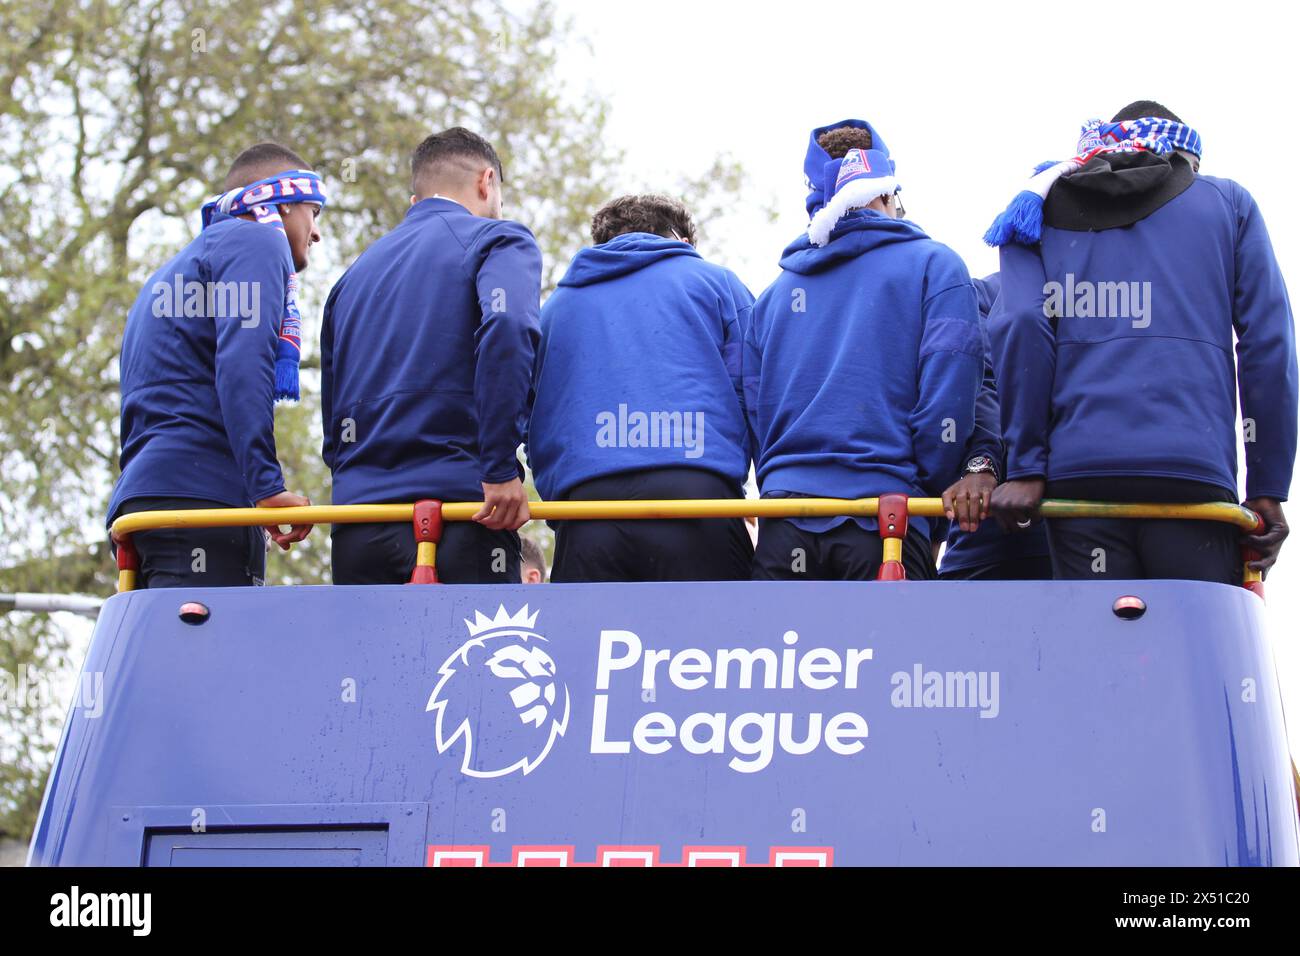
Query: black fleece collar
{"points": [[1116, 189]]}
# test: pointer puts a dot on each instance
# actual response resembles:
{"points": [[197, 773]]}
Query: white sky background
{"points": [[968, 97]]}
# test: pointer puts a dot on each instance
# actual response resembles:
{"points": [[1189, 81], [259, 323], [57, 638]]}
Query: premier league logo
{"points": [[499, 696]]}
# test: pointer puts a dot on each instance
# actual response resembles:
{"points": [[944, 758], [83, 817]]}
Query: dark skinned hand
{"points": [[1268, 543], [1016, 502], [968, 500]]}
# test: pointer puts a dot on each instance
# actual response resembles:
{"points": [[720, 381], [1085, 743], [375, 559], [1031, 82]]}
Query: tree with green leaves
{"points": [[116, 121]]}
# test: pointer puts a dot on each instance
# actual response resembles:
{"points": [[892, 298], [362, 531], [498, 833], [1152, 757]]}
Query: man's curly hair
{"points": [[660, 215], [837, 142]]}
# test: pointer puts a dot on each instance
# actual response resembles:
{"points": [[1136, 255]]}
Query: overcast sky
{"points": [[968, 97]]}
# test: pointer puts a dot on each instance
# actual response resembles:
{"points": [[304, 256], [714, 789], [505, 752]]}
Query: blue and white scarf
{"points": [[1022, 221], [261, 199]]}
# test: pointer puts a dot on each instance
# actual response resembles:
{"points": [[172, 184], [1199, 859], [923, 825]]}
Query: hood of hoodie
{"points": [[815, 160], [622, 254], [859, 232]]}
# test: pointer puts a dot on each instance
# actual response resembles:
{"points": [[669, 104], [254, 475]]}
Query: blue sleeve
{"points": [[1024, 361], [751, 375], [950, 363], [986, 438], [507, 266], [740, 307], [245, 356], [1266, 357], [329, 440]]}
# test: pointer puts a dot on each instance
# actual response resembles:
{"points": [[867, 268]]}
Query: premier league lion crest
{"points": [[498, 694]]}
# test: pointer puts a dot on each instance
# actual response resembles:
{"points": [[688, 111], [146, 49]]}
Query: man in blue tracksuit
{"points": [[640, 396], [210, 344], [427, 349], [861, 366], [978, 548], [1125, 275]]}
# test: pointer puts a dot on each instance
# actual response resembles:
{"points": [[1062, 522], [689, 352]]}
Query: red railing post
{"points": [[1251, 579], [128, 564], [426, 521], [892, 517]]}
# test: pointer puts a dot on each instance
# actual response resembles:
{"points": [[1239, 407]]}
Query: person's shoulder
{"points": [[481, 231], [1219, 182], [943, 260], [247, 231], [701, 266], [229, 236], [481, 237], [707, 266], [1231, 192], [723, 277]]}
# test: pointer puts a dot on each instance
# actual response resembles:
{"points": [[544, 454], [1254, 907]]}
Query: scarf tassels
{"points": [[1022, 220]]}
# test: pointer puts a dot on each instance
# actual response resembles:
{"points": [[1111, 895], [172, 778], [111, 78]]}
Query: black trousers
{"points": [[385, 554], [1038, 568], [708, 549], [844, 553], [1088, 548], [196, 557]]}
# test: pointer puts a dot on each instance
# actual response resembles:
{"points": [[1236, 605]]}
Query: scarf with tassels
{"points": [[1022, 221], [261, 199]]}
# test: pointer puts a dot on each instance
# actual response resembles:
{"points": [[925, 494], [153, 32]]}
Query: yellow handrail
{"points": [[130, 524], [1221, 511]]}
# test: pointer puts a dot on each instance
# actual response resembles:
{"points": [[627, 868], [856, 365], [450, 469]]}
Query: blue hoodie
{"points": [[427, 349], [862, 364], [1150, 390], [198, 371], [640, 366], [989, 544]]}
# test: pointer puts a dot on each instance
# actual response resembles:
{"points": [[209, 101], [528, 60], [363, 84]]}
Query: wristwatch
{"points": [[981, 464]]}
